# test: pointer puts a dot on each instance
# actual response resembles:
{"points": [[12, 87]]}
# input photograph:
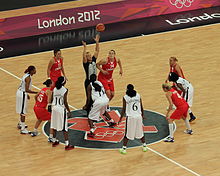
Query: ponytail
{"points": [[29, 69], [48, 82], [60, 82], [130, 91]]}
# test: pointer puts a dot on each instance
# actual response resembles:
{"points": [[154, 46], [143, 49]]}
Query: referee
{"points": [[89, 64]]}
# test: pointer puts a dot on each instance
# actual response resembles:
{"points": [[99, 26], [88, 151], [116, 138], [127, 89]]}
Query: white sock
{"points": [[144, 144], [22, 125], [54, 139], [92, 130], [66, 142], [124, 147], [187, 124], [51, 136], [35, 130], [171, 129], [189, 110]]}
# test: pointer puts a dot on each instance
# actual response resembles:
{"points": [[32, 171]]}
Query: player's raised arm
{"points": [[96, 53], [84, 52]]}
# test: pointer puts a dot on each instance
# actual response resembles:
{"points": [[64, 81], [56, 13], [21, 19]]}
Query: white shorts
{"points": [[59, 119], [21, 102], [134, 128], [189, 96], [98, 108]]}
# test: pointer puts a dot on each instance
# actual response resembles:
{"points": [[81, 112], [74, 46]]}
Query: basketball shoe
{"points": [[19, 126], [69, 147], [144, 148], [188, 131], [169, 139], [25, 131], [54, 144], [35, 133], [122, 151]]}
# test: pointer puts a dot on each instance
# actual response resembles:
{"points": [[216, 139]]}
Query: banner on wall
{"points": [[81, 17]]}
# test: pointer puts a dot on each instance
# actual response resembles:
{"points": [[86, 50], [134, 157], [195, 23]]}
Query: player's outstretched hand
{"points": [[97, 37]]}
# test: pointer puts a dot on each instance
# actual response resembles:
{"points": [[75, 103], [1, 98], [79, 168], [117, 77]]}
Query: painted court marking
{"points": [[161, 155]]}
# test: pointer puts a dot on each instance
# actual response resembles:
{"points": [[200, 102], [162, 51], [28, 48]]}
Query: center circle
{"points": [[155, 129]]}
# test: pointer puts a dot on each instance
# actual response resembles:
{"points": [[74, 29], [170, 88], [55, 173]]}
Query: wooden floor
{"points": [[145, 64]]}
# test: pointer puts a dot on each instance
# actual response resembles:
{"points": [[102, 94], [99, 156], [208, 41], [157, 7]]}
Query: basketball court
{"points": [[144, 53]]}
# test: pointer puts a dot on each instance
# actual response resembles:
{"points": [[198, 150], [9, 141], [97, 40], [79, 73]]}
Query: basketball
{"points": [[100, 27]]}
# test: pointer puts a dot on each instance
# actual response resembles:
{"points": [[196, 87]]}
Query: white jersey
{"points": [[98, 95], [133, 106], [22, 85], [186, 84], [58, 97]]}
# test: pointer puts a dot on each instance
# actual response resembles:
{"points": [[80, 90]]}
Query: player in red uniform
{"points": [[106, 67], [180, 112], [175, 67], [55, 67], [42, 99]]}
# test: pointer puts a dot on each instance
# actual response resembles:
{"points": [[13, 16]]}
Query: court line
{"points": [[154, 151]]}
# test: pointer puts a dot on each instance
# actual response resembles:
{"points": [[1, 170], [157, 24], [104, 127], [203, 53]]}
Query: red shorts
{"points": [[180, 112], [53, 79], [42, 113], [108, 85]]}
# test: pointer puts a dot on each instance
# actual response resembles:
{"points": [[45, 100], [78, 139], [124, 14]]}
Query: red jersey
{"points": [[109, 67], [177, 100], [172, 69], [55, 71], [42, 98]]}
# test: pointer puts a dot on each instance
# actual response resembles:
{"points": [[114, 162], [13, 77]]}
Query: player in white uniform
{"points": [[96, 93], [187, 89], [59, 112], [22, 97], [132, 106]]}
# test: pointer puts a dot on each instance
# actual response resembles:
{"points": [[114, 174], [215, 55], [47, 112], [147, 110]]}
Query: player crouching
{"points": [[96, 93]]}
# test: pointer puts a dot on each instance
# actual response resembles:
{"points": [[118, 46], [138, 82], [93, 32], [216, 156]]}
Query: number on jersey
{"points": [[134, 107]]}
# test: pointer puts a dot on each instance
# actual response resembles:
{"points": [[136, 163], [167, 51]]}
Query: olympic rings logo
{"points": [[111, 133], [1, 49], [181, 3]]}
